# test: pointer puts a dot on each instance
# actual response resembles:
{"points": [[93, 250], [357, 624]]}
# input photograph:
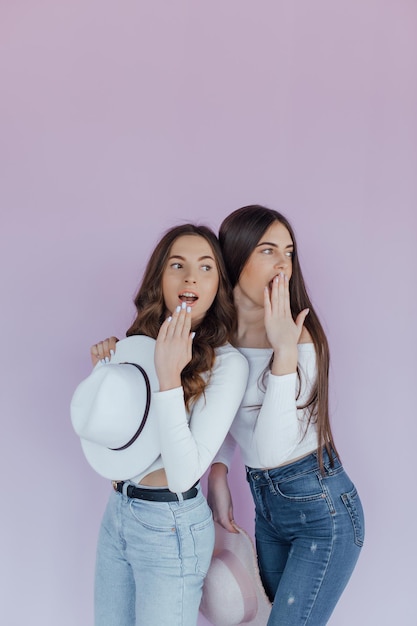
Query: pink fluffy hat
{"points": [[233, 592]]}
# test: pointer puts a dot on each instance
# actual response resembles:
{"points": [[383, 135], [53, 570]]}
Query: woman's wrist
{"points": [[285, 361]]}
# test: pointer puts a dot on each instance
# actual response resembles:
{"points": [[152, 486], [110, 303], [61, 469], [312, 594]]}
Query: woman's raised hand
{"points": [[103, 350], [173, 349], [282, 331]]}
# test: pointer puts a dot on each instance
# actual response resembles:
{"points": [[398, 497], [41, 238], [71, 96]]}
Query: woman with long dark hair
{"points": [[309, 524]]}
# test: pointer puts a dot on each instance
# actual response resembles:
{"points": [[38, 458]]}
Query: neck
{"points": [[251, 331]]}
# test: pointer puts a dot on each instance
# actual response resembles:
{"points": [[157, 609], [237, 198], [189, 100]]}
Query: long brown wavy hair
{"points": [[239, 234], [218, 325]]}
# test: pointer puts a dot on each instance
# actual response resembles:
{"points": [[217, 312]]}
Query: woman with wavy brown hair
{"points": [[309, 523], [157, 533]]}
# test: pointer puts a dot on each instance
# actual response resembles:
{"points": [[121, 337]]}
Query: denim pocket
{"points": [[302, 488], [353, 505], [203, 538], [152, 516]]}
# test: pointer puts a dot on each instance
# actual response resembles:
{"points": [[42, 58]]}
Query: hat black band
{"points": [[145, 413]]}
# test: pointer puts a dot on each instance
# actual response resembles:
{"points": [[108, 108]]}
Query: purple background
{"points": [[120, 119]]}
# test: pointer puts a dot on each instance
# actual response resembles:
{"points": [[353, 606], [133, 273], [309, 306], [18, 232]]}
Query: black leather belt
{"points": [[154, 495]]}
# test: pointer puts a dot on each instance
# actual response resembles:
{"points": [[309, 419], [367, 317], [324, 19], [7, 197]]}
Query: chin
{"points": [[195, 321]]}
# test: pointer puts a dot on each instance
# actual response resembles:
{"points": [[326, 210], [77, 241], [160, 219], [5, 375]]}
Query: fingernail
{"points": [[188, 309], [192, 335], [111, 352], [178, 309], [107, 360], [183, 305], [169, 318]]}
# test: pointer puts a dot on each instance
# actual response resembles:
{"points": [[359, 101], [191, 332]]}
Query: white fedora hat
{"points": [[112, 412], [233, 592]]}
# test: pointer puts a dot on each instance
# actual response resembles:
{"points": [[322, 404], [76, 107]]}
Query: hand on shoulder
{"points": [[103, 349]]}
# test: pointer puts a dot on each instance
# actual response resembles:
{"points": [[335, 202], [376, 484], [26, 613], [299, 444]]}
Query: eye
{"points": [[206, 268], [267, 251], [290, 254], [176, 265]]}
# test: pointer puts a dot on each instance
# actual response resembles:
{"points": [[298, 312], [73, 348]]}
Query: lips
{"points": [[271, 282], [188, 296]]}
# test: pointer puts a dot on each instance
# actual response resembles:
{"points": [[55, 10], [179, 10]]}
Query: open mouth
{"points": [[271, 282], [188, 297]]}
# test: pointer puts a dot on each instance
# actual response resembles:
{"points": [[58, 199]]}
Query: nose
{"points": [[190, 280], [281, 261]]}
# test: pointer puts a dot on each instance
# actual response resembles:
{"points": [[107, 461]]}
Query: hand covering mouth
{"points": [[188, 296], [271, 282]]}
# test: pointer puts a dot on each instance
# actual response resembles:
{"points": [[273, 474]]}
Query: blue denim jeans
{"points": [[309, 530], [152, 558]]}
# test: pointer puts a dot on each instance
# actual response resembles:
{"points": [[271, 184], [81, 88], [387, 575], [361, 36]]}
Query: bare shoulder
{"points": [[305, 336]]}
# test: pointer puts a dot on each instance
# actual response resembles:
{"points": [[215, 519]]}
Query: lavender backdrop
{"points": [[120, 119]]}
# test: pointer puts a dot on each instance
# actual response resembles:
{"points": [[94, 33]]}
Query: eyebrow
{"points": [[273, 245], [182, 258]]}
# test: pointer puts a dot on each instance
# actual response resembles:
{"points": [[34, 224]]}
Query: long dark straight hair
{"points": [[239, 234], [215, 329]]}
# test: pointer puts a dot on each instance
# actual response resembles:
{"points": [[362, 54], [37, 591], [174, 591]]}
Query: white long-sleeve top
{"points": [[189, 441], [269, 428]]}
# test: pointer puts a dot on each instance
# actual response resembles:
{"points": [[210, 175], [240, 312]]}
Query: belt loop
{"points": [[180, 497], [269, 481], [124, 487]]}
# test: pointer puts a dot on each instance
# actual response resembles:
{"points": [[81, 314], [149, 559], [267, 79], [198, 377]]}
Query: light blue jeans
{"points": [[309, 530], [152, 558]]}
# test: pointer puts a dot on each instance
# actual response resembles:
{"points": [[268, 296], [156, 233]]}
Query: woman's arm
{"points": [[219, 497], [279, 427], [189, 447]]}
